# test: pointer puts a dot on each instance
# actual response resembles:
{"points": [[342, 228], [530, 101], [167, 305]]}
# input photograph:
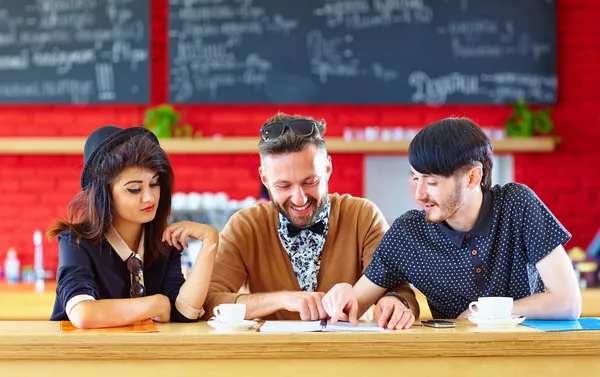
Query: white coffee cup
{"points": [[228, 313], [492, 307]]}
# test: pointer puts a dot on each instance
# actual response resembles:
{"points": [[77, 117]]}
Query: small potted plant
{"points": [[164, 122], [526, 123]]}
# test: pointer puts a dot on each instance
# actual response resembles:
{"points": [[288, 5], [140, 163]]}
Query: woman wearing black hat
{"points": [[114, 265]]}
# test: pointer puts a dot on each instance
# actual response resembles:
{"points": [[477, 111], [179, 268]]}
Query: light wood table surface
{"points": [[590, 302], [38, 348], [21, 302]]}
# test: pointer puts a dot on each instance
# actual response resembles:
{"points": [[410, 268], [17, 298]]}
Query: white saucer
{"points": [[495, 322], [231, 326]]}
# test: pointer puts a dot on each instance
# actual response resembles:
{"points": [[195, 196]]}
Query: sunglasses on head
{"points": [[303, 127], [135, 267]]}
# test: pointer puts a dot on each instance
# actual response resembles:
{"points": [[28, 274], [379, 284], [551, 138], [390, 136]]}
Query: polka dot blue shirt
{"points": [[513, 232]]}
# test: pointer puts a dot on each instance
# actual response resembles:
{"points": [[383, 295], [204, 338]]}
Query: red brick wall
{"points": [[36, 189]]}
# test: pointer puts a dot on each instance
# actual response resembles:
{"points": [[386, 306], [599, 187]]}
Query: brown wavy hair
{"points": [[91, 211], [289, 142]]}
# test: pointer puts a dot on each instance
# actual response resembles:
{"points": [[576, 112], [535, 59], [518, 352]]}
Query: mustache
{"points": [[311, 200]]}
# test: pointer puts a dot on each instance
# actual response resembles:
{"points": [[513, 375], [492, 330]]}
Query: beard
{"points": [[442, 212], [304, 221]]}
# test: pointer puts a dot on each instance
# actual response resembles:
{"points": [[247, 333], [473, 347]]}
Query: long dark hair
{"points": [[449, 145], [91, 211]]}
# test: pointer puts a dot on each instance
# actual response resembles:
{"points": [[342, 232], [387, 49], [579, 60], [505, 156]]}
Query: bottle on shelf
{"points": [[12, 266], [38, 266]]}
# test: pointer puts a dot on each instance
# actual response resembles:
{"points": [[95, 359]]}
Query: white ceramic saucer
{"points": [[495, 322], [231, 326]]}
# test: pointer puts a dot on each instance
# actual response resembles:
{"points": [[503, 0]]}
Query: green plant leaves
{"points": [[526, 123], [163, 121]]}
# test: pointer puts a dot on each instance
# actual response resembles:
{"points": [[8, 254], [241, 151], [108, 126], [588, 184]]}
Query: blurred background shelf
{"points": [[241, 145]]}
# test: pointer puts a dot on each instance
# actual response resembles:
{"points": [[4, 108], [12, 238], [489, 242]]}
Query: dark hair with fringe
{"points": [[91, 211], [450, 145], [289, 142]]}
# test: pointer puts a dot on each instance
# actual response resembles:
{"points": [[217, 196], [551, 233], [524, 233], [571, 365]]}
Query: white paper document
{"points": [[316, 326]]}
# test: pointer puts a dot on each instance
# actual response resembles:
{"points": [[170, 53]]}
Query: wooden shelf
{"points": [[240, 145]]}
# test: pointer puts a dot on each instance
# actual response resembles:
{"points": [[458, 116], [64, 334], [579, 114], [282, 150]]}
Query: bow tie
{"points": [[318, 228]]}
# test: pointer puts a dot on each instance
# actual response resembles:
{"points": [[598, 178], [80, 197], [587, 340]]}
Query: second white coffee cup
{"points": [[492, 307], [230, 312]]}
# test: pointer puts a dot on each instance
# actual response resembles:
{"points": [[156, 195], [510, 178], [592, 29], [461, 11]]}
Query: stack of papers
{"points": [[315, 326]]}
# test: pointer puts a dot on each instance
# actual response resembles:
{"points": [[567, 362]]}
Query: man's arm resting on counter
{"points": [[377, 229], [408, 294], [562, 299], [230, 271], [257, 304], [91, 314], [307, 304], [367, 294], [261, 304]]}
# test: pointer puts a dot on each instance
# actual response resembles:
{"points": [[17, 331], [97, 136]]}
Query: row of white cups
{"points": [[195, 201], [210, 208]]}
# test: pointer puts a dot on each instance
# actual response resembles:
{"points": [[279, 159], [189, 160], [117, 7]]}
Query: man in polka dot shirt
{"points": [[470, 240]]}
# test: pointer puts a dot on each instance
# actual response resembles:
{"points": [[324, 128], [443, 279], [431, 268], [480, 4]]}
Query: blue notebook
{"points": [[581, 324]]}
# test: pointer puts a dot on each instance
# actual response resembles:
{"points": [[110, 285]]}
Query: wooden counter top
{"points": [[590, 304], [49, 287], [43, 340], [38, 348], [21, 302]]}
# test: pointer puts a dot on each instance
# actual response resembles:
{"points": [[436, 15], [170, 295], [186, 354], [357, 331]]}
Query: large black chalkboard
{"points": [[74, 51], [362, 51]]}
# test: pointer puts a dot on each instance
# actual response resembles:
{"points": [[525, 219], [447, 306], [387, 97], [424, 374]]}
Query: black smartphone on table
{"points": [[437, 323]]}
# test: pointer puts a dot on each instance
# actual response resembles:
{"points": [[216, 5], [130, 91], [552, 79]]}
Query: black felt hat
{"points": [[102, 141]]}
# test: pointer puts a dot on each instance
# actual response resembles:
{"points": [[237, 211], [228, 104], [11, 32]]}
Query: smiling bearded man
{"points": [[286, 253]]}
